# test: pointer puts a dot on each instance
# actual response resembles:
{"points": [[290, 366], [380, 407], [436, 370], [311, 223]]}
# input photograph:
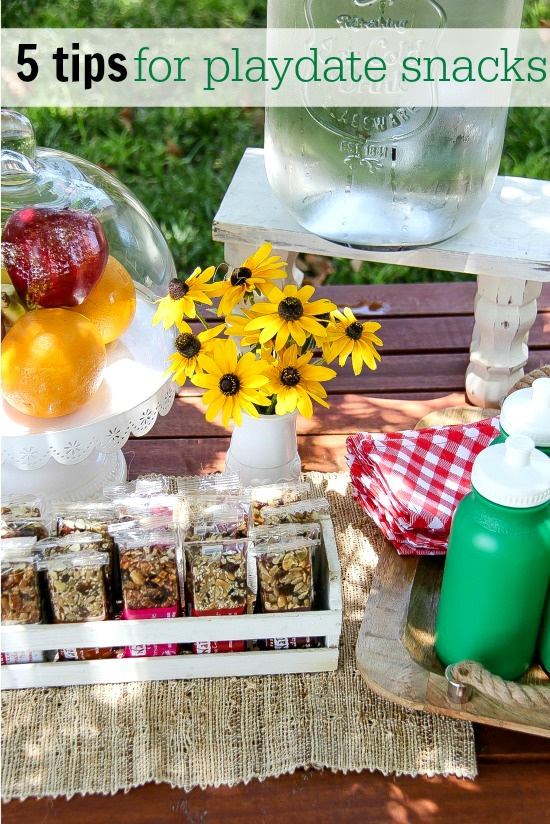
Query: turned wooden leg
{"points": [[236, 253], [505, 309]]}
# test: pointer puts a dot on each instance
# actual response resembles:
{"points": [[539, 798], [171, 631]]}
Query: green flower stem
{"points": [[270, 410], [202, 320]]}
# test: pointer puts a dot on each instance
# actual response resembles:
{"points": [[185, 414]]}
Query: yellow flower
{"points": [[185, 362], [232, 383], [348, 336], [182, 295], [235, 327], [289, 315], [257, 272], [296, 382]]}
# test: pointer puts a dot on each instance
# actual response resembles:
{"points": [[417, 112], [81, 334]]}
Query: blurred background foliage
{"points": [[179, 162]]}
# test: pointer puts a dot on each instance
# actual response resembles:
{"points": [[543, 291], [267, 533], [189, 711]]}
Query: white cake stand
{"points": [[74, 456]]}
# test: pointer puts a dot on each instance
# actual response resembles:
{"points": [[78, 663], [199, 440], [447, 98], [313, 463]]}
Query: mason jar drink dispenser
{"points": [[385, 178]]}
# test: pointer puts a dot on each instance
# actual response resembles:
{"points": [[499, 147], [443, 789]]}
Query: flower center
{"points": [[290, 376], [291, 309], [177, 289], [240, 275], [354, 330], [188, 345], [229, 384]]}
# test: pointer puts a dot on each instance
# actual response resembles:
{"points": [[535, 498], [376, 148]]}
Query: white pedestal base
{"points": [[80, 481]]}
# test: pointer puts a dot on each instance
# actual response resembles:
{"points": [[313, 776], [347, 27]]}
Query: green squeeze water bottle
{"points": [[498, 561], [527, 412]]}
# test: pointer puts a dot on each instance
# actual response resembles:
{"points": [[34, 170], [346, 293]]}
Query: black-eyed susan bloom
{"points": [[348, 336], [289, 314], [185, 361], [234, 384], [182, 296], [257, 273], [296, 382]]}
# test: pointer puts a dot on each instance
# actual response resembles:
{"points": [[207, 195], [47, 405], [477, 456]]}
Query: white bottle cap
{"points": [[513, 473], [527, 412]]}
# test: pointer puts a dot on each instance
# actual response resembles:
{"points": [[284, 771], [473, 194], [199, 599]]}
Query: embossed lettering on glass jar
{"points": [[379, 177]]}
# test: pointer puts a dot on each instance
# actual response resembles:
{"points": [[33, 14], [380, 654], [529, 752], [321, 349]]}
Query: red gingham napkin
{"points": [[411, 482]]}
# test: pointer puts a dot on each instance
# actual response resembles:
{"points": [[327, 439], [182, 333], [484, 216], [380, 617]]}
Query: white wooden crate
{"points": [[324, 622]]}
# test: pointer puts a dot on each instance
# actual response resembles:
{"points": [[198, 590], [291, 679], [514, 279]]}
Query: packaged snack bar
{"points": [[149, 581], [26, 527], [21, 601], [70, 544], [203, 518], [21, 505], [217, 584], [130, 506], [274, 534], [223, 484], [279, 494], [95, 517], [285, 579], [301, 512], [285, 576], [76, 586], [20, 589], [33, 657]]}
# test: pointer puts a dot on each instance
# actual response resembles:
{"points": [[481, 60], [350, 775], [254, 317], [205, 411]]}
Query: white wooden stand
{"points": [[324, 622], [507, 247]]}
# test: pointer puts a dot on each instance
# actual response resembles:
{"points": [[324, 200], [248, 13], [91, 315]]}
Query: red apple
{"points": [[54, 257]]}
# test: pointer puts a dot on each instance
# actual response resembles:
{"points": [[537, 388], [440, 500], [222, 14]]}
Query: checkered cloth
{"points": [[411, 482]]}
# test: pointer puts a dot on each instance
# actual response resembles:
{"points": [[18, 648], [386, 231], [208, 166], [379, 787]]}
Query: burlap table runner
{"points": [[105, 738]]}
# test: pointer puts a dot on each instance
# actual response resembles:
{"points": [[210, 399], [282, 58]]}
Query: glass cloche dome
{"points": [[46, 177]]}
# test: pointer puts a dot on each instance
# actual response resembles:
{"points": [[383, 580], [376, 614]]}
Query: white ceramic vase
{"points": [[265, 450]]}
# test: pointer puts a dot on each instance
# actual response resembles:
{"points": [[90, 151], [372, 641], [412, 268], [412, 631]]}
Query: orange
{"points": [[52, 362], [111, 304]]}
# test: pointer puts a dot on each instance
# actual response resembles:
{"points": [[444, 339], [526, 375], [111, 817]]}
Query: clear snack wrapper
{"points": [[280, 494], [134, 505], [204, 518], [224, 484], [285, 580], [21, 603], [21, 505], [38, 528], [274, 534], [76, 586], [149, 579], [301, 512], [217, 584]]}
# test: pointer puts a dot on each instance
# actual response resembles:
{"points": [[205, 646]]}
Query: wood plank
{"points": [[406, 373], [438, 333], [347, 413], [505, 792], [495, 744], [488, 246], [412, 299]]}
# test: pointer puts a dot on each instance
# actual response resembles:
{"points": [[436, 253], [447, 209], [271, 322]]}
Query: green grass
{"points": [[179, 162]]}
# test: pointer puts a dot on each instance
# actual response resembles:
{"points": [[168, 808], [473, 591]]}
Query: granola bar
{"points": [[285, 577], [276, 495], [148, 571], [206, 518], [38, 528], [20, 589], [76, 586], [217, 575], [301, 512]]}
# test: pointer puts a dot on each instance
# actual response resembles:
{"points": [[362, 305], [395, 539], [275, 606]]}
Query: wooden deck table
{"points": [[426, 329]]}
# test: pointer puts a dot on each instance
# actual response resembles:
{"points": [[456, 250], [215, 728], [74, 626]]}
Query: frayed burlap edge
{"points": [[209, 732]]}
